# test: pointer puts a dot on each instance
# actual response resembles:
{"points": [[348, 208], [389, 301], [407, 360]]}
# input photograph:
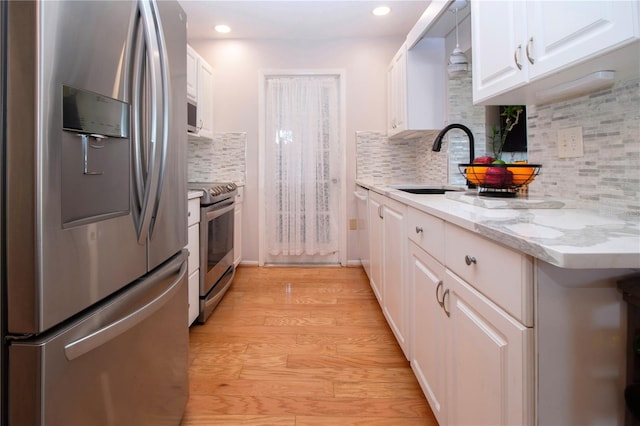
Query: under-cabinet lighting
{"points": [[599, 80], [381, 10]]}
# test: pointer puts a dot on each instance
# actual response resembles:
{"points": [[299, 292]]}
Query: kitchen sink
{"points": [[418, 189]]}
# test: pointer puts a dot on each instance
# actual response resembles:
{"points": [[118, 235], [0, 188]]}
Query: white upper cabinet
{"points": [[521, 49], [200, 89], [192, 74], [205, 100], [416, 89]]}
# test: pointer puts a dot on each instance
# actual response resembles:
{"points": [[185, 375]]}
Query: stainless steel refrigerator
{"points": [[94, 298]]}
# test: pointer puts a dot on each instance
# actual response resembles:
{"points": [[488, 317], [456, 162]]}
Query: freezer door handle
{"points": [[100, 337]]}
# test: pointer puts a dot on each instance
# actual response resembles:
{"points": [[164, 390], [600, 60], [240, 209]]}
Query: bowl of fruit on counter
{"points": [[493, 176], [496, 178]]}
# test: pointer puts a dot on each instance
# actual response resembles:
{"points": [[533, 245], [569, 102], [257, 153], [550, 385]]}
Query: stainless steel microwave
{"points": [[192, 116]]}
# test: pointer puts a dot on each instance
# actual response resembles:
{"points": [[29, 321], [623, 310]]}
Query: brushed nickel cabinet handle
{"points": [[438, 287], [529, 43], [469, 260], [444, 295], [516, 54], [419, 229]]}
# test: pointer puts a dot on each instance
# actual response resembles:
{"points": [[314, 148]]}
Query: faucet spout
{"points": [[437, 143]]}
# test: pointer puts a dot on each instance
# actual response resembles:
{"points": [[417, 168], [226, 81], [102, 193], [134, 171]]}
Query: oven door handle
{"points": [[219, 209]]}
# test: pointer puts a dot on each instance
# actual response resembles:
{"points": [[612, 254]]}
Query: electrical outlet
{"points": [[353, 224], [570, 143]]}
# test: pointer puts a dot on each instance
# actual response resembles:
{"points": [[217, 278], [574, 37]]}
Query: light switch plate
{"points": [[570, 143]]}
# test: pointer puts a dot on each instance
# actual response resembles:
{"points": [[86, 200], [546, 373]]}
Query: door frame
{"points": [[342, 204]]}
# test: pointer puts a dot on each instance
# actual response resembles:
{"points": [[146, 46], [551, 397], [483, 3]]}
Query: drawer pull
{"points": [[438, 287], [469, 260], [419, 229], [444, 295]]}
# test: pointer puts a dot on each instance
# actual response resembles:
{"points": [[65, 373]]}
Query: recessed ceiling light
{"points": [[381, 10], [222, 29]]}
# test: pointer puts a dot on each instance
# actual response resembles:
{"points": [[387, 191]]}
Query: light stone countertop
{"points": [[194, 194], [565, 237]]}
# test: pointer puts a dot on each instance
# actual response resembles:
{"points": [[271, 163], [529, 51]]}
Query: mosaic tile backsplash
{"points": [[379, 159], [607, 178], [222, 159]]}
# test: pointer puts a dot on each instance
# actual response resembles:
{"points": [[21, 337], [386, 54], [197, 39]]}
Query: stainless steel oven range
{"points": [[216, 243]]}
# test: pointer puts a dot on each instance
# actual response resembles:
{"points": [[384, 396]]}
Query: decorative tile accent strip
{"points": [[222, 159]]}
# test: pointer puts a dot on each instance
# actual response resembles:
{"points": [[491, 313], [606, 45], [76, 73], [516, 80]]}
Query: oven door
{"points": [[216, 250]]}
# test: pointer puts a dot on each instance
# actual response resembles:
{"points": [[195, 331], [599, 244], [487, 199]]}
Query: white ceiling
{"points": [[300, 19]]}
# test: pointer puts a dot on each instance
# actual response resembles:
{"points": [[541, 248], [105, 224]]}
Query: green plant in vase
{"points": [[498, 177], [512, 114]]}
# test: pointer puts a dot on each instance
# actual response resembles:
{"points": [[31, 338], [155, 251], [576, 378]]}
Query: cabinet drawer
{"points": [[193, 211], [427, 232], [193, 246], [501, 274]]}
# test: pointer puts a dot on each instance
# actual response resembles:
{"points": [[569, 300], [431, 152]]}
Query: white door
{"points": [[303, 173]]}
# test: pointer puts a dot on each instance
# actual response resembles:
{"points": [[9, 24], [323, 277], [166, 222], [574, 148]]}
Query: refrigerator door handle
{"points": [[156, 125], [100, 337], [166, 113], [139, 152]]}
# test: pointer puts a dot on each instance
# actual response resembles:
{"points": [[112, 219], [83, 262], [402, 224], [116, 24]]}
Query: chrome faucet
{"points": [[437, 143]]}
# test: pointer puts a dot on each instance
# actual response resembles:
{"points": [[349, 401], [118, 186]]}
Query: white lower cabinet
{"points": [[193, 245], [237, 227], [490, 357], [376, 242], [387, 248], [429, 322], [471, 356]]}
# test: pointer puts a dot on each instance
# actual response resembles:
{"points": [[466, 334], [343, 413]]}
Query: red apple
{"points": [[498, 177], [484, 160]]}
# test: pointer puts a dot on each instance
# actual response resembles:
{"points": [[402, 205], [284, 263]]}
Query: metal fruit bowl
{"points": [[499, 180]]}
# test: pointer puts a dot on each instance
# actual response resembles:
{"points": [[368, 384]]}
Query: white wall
{"points": [[236, 66]]}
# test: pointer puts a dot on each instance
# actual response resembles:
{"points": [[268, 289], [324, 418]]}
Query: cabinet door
{"points": [[237, 233], [497, 35], [397, 93], [490, 374], [563, 32], [192, 74], [395, 296], [205, 100], [194, 293], [375, 244], [193, 235], [428, 346]]}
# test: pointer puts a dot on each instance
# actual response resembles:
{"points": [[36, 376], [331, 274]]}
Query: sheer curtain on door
{"points": [[302, 168]]}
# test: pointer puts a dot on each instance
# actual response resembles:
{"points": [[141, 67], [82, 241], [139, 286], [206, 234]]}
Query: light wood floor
{"points": [[303, 347]]}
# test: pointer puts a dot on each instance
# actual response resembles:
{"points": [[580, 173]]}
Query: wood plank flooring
{"points": [[300, 346]]}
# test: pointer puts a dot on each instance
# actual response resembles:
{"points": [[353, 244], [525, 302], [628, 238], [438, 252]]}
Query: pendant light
{"points": [[458, 64]]}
